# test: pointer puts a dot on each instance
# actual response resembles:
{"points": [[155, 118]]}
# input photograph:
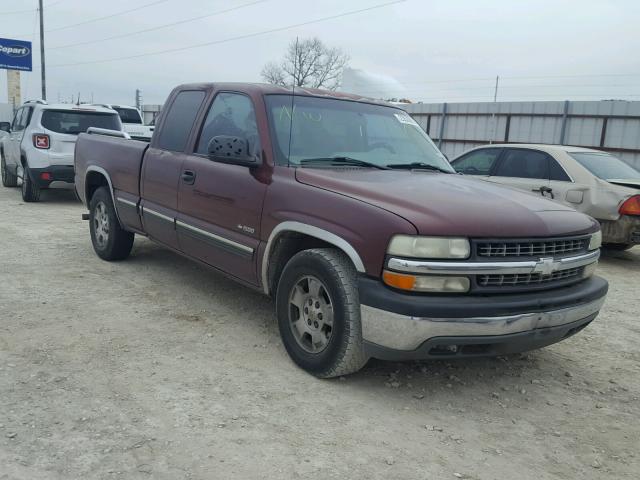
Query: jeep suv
{"points": [[41, 140]]}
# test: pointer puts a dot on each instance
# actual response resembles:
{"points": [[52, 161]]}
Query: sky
{"points": [[425, 50]]}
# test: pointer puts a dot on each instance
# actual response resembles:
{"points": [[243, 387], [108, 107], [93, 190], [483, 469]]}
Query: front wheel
{"points": [[318, 313], [110, 240]]}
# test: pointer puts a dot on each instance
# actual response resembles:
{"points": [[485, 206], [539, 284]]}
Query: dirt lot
{"points": [[157, 368]]}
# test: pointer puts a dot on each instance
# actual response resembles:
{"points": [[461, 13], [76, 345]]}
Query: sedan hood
{"points": [[447, 204]]}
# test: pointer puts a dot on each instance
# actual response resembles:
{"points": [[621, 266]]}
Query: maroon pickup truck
{"points": [[344, 211]]}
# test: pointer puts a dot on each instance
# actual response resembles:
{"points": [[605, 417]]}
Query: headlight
{"points": [[596, 240], [429, 247], [426, 283]]}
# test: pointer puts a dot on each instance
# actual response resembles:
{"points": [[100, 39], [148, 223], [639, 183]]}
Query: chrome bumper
{"points": [[405, 333]]}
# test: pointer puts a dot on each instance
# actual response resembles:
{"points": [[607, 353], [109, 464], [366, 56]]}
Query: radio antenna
{"points": [[293, 93]]}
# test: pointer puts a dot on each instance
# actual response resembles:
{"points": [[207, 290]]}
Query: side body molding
{"points": [[312, 231]]}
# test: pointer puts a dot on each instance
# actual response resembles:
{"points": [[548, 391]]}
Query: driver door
{"points": [[220, 204], [524, 169]]}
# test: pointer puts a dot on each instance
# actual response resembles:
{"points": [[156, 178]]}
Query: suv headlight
{"points": [[429, 247], [596, 240]]}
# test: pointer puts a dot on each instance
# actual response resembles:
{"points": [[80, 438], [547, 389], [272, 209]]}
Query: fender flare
{"points": [[103, 172], [312, 231]]}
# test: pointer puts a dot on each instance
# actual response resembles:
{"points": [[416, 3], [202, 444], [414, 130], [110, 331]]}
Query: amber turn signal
{"points": [[631, 206], [399, 280]]}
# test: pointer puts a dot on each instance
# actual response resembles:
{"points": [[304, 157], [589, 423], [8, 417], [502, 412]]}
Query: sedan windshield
{"points": [[315, 131], [605, 166]]}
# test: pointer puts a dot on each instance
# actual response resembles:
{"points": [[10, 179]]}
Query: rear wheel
{"points": [[8, 179], [30, 190], [319, 313], [110, 241]]}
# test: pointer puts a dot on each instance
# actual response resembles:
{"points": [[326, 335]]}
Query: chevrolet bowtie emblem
{"points": [[546, 266]]}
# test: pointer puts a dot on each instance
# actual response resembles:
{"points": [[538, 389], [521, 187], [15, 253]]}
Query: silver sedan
{"points": [[591, 181]]}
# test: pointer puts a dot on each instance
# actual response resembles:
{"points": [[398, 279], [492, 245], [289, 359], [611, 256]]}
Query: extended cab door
{"points": [[524, 169], [220, 204], [162, 167]]}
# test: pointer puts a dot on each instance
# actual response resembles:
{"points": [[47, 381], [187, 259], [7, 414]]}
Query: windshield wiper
{"points": [[342, 161], [418, 166]]}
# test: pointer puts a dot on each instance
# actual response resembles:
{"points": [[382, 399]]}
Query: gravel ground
{"points": [[158, 368]]}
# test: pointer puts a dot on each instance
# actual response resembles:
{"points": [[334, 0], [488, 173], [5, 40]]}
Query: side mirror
{"points": [[5, 127], [229, 149]]}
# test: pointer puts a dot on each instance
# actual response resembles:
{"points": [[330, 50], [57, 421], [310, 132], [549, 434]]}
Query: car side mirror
{"points": [[5, 127], [230, 149]]}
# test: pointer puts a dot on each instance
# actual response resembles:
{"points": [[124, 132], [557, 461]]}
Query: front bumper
{"points": [[398, 326], [43, 177]]}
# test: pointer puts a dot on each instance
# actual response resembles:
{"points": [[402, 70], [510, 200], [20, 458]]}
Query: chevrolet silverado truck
{"points": [[344, 211]]}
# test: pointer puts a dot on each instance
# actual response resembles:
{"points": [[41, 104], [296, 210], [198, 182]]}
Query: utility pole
{"points": [[43, 78], [138, 99], [495, 93]]}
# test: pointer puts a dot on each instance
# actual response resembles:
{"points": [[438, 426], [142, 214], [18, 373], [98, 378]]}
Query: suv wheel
{"points": [[319, 313], [8, 179], [110, 241], [30, 191]]}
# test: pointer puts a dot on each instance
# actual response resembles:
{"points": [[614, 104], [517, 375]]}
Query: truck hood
{"points": [[442, 204]]}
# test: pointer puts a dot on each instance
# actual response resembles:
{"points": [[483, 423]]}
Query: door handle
{"points": [[544, 189], [188, 177]]}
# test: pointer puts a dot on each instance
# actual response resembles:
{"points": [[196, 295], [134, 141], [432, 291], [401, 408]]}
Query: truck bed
{"points": [[118, 159]]}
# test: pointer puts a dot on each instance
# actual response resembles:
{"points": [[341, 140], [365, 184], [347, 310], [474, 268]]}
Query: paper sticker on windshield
{"points": [[405, 118]]}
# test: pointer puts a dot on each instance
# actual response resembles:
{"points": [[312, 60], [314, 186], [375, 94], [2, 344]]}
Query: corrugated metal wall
{"points": [[611, 125]]}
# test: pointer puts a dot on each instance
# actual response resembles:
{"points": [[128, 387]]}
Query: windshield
{"points": [[128, 115], [74, 122], [606, 166], [327, 128]]}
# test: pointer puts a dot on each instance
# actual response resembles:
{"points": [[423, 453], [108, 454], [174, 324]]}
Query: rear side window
{"points": [[524, 164], [75, 122], [478, 162], [128, 115], [556, 172], [179, 121]]}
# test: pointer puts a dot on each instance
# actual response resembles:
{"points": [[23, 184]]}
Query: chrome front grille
{"points": [[527, 279], [542, 248]]}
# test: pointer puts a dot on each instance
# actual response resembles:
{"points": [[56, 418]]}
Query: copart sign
{"points": [[15, 54]]}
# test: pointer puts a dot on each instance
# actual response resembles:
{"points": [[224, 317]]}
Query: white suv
{"points": [[132, 123], [39, 147]]}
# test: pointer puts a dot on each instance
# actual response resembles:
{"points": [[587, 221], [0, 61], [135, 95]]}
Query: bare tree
{"points": [[307, 63]]}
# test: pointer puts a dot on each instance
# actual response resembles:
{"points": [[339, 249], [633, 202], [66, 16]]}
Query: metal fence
{"points": [[609, 125]]}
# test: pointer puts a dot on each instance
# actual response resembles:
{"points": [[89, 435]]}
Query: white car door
{"points": [[15, 137], [525, 169]]}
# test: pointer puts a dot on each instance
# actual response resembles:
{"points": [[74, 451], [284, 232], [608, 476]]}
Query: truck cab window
{"points": [[230, 114], [180, 117]]}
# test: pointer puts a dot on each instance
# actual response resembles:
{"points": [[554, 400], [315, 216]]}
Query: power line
{"points": [[18, 12], [159, 27], [230, 39], [97, 19]]}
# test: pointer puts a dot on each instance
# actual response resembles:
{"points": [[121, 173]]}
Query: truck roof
{"points": [[268, 89]]}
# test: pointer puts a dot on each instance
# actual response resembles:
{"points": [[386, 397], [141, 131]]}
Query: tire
{"points": [[30, 190], [110, 241], [323, 337], [8, 179]]}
